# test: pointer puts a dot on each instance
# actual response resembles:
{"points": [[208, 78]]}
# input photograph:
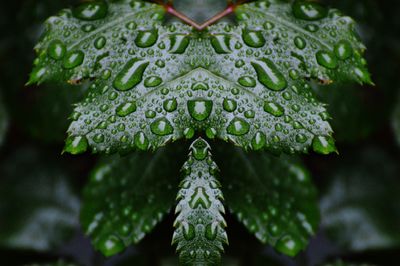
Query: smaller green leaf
{"points": [[274, 197], [127, 196], [200, 227]]}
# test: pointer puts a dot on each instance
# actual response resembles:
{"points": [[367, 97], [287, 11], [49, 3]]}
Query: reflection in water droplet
{"points": [[141, 141], [269, 75], [126, 109], [91, 10], [247, 81], [274, 109], [146, 39], [327, 59], [56, 49], [161, 127], [253, 38], [309, 10], [73, 59], [200, 109], [221, 43], [343, 50], [324, 145], [179, 43], [131, 74], [238, 127]]}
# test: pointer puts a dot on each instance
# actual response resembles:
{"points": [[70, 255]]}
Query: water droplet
{"points": [[309, 10], [238, 127], [179, 43], [131, 74], [73, 59], [100, 42], [229, 105], [258, 141], [301, 138], [152, 81], [253, 38], [161, 127], [300, 42], [211, 132], [76, 144], [150, 114], [141, 141], [170, 105], [200, 149], [211, 232], [56, 49], [200, 110], [274, 109], [110, 245], [91, 10], [269, 75], [189, 231], [189, 133], [362, 75], [98, 138], [327, 59], [324, 145], [343, 50], [247, 81], [221, 43], [288, 245], [126, 109], [146, 39], [250, 114]]}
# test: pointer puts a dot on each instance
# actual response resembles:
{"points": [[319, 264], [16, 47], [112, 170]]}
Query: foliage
{"points": [[139, 79]]}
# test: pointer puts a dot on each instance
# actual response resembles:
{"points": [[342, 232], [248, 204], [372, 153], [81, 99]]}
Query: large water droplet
{"points": [[100, 42], [146, 39], [211, 231], [238, 127], [274, 109], [258, 141], [324, 145], [221, 43], [189, 231], [56, 49], [91, 10], [200, 110], [152, 81], [309, 10], [179, 43], [229, 105], [300, 42], [161, 127], [343, 50], [327, 59], [131, 74], [253, 38], [170, 105], [288, 245], [110, 245], [141, 141], [76, 144], [73, 59], [269, 75], [247, 81], [126, 109]]}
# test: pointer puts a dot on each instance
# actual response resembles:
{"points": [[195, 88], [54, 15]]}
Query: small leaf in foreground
{"points": [[200, 227]]}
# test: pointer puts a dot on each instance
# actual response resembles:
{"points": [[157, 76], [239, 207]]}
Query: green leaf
{"points": [[359, 207], [274, 197], [200, 227], [38, 207], [127, 196], [245, 83]]}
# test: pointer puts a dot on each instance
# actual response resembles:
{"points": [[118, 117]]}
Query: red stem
{"points": [[171, 10]]}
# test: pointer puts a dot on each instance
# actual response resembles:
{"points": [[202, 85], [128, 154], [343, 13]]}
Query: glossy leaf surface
{"points": [[246, 83]]}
